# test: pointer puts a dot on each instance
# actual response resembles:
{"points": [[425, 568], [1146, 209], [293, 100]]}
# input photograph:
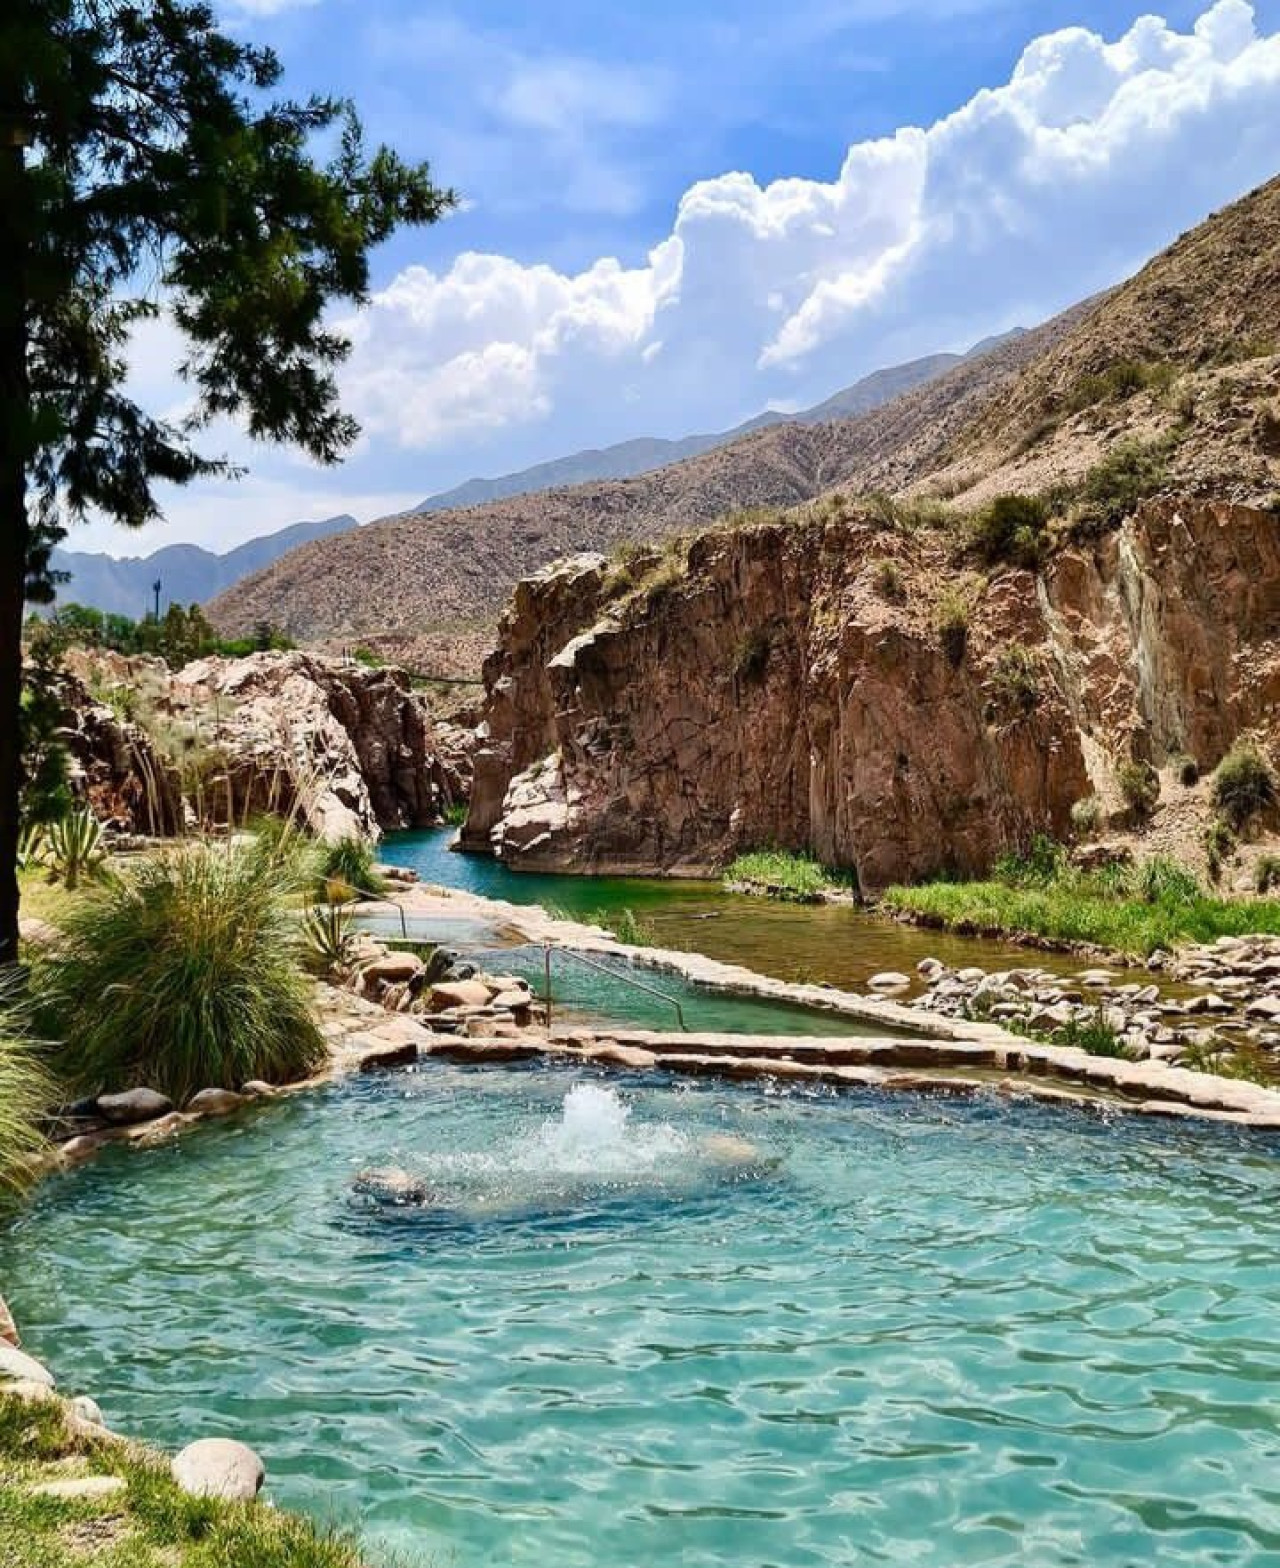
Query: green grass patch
{"points": [[348, 867], [151, 1524], [783, 873], [1132, 911]]}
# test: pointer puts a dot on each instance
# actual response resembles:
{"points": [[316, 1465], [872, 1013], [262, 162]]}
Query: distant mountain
{"points": [[187, 574], [640, 456], [417, 583]]}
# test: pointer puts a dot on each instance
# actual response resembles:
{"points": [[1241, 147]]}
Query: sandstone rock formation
{"points": [[777, 685]]}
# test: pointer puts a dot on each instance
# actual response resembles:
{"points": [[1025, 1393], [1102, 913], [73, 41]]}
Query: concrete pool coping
{"points": [[925, 1044]]}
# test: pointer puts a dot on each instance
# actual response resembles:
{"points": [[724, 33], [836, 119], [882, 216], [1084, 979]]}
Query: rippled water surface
{"points": [[650, 1324]]}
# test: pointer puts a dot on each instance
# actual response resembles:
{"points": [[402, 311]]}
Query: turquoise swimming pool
{"points": [[644, 1322]]}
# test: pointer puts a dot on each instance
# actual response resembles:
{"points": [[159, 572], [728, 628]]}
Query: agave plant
{"points": [[73, 848], [31, 845], [329, 937]]}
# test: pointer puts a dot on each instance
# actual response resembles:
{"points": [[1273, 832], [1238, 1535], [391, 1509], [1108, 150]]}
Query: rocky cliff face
{"points": [[355, 750], [787, 684], [352, 750]]}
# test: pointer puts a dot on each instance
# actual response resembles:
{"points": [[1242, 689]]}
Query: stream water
{"points": [[644, 1322], [807, 942]]}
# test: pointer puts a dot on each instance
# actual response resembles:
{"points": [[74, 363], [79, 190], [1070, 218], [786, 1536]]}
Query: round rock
{"points": [[16, 1366], [219, 1467], [134, 1105], [215, 1102], [87, 1410]]}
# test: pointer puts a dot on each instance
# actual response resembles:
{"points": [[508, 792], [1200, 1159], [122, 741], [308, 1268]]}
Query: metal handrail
{"points": [[638, 985]]}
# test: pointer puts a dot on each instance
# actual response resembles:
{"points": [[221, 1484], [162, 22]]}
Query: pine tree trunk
{"points": [[15, 415]]}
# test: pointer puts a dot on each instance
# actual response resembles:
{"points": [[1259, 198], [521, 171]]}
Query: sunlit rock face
{"points": [[777, 685]]}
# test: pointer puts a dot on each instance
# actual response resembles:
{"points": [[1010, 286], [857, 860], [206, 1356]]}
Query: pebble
{"points": [[219, 1467], [889, 980]]}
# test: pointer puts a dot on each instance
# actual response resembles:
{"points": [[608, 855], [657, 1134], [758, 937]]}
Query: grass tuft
{"points": [[783, 873], [185, 974], [27, 1091]]}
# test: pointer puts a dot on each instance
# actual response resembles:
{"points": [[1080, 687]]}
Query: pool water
{"points": [[653, 1323], [835, 943]]}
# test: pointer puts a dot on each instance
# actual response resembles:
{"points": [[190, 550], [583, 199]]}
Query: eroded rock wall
{"points": [[788, 688]]}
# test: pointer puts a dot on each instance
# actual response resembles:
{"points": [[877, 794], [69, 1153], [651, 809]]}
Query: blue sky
{"points": [[609, 277]]}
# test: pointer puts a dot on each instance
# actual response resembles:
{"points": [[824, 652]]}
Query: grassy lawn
{"points": [[1072, 907], [150, 1524], [784, 874]]}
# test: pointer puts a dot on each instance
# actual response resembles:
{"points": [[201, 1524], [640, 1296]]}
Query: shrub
{"points": [[751, 661], [1086, 815], [1130, 472], [1266, 874], [1094, 1035], [1041, 864], [787, 875], [455, 813], [1017, 678], [184, 974], [889, 582], [1139, 783], [952, 614], [1243, 786], [1163, 881], [1011, 530], [1187, 769], [348, 867], [1219, 848], [26, 1093], [329, 937], [1123, 379]]}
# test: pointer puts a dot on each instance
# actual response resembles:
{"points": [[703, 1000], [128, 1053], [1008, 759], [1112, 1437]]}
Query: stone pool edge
{"points": [[1148, 1088]]}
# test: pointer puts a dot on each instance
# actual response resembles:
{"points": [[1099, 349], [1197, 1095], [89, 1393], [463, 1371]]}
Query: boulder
{"points": [[8, 1328], [18, 1367], [1264, 1007], [513, 1001], [87, 1410], [394, 969], [133, 1105], [459, 993], [256, 1089], [889, 980], [219, 1467], [215, 1102]]}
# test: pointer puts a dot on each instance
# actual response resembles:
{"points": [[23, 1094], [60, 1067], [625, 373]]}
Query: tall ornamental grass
{"points": [[27, 1092], [184, 974]]}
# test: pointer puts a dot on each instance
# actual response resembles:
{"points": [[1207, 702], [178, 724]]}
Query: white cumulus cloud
{"points": [[1034, 193]]}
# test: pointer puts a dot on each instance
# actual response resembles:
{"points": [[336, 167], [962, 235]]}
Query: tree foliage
{"points": [[146, 167]]}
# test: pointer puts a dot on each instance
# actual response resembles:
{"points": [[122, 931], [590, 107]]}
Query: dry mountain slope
{"points": [[390, 582]]}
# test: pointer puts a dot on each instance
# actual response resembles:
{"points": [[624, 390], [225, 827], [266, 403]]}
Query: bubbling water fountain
{"points": [[593, 1145]]}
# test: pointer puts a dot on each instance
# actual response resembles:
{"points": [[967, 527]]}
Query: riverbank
{"points": [[73, 1495], [1105, 915]]}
